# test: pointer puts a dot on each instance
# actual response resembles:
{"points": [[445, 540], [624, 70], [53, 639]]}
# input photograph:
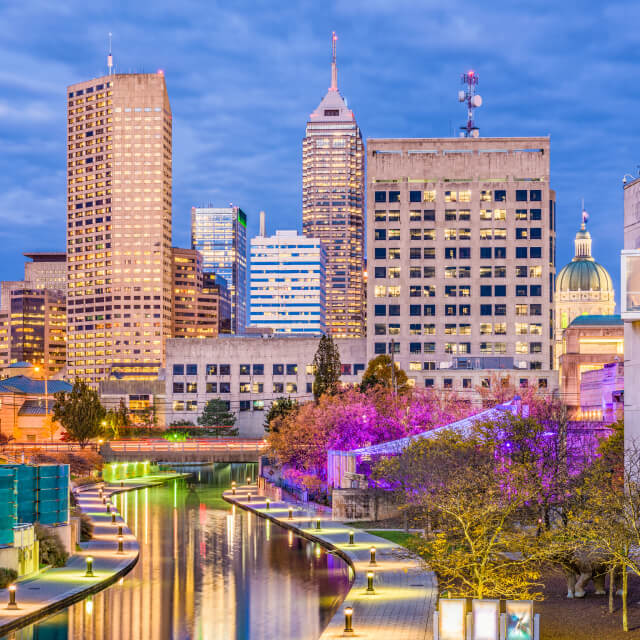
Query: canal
{"points": [[206, 572]]}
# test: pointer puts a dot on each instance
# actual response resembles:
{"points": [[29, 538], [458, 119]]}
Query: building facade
{"points": [[589, 343], [119, 266], [33, 329], [582, 287], [602, 393], [46, 270], [248, 373], [195, 311], [287, 283], [220, 235], [333, 206], [461, 259]]}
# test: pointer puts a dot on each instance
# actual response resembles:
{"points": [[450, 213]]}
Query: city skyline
{"points": [[281, 76]]}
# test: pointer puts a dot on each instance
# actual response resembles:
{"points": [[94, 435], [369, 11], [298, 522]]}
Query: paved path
{"points": [[54, 589], [405, 590]]}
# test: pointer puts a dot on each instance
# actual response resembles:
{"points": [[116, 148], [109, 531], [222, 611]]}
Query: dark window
{"points": [[521, 233], [415, 196], [535, 290], [429, 310], [449, 309], [500, 252], [192, 369], [535, 252], [428, 272], [521, 252], [415, 253], [309, 387], [485, 310], [415, 347], [535, 365], [499, 195], [258, 369], [465, 253], [178, 387], [450, 291], [225, 369], [542, 383], [535, 347], [245, 405], [521, 195], [212, 369], [466, 383], [381, 196], [535, 309], [278, 387], [357, 368], [429, 214], [332, 112], [535, 233], [394, 196], [485, 290], [428, 382], [379, 347], [535, 195], [464, 309], [212, 387], [535, 214], [450, 253], [292, 369], [380, 253], [448, 383], [394, 347], [485, 253], [380, 329], [500, 310], [380, 272], [414, 309], [178, 369], [521, 290], [278, 369], [429, 253], [225, 387], [245, 369], [500, 291], [415, 291], [380, 234], [380, 310], [345, 369], [394, 309]]}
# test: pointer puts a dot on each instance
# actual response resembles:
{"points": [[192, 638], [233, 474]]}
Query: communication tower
{"points": [[473, 100]]}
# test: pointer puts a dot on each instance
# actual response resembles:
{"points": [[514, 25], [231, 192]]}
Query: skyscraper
{"points": [[333, 205], [220, 235], [119, 261], [287, 287]]}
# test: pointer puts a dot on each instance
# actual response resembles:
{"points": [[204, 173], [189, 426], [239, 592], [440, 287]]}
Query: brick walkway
{"points": [[54, 589], [405, 590]]}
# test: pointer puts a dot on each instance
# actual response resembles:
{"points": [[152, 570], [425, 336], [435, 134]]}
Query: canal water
{"points": [[206, 572]]}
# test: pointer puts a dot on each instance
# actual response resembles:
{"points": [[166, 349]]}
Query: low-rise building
{"points": [[602, 393], [144, 399], [588, 343], [248, 373]]}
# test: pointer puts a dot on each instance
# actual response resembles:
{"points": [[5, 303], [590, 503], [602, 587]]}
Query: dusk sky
{"points": [[243, 77]]}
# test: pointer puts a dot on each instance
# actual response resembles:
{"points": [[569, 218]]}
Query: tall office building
{"points": [[461, 259], [287, 285], [333, 205], [118, 223], [220, 235]]}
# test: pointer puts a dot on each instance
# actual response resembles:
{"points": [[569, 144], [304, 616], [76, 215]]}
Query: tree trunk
{"points": [[625, 588], [612, 586]]}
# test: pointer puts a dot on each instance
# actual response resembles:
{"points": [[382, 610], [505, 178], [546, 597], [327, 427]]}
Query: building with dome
{"points": [[583, 287]]}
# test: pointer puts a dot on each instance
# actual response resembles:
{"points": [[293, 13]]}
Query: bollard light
{"points": [[233, 488], [248, 480], [248, 497], [370, 582], [318, 523], [290, 513], [109, 508], [351, 534], [89, 573], [100, 492], [119, 529], [104, 500], [120, 544], [12, 597], [113, 517], [348, 620], [268, 504], [373, 555]]}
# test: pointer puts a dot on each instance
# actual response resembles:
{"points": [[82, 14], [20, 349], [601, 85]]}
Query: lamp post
{"points": [[318, 526], [290, 513], [348, 620], [351, 535], [373, 555], [268, 504], [89, 573], [113, 517], [12, 597], [370, 582], [120, 544]]}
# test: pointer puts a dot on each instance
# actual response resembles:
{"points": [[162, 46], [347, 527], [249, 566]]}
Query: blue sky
{"points": [[244, 76]]}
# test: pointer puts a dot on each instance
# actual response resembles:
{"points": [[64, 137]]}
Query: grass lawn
{"points": [[397, 537]]}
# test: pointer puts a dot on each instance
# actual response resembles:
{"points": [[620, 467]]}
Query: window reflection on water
{"points": [[206, 573]]}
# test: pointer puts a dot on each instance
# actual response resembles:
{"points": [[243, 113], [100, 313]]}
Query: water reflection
{"points": [[206, 573]]}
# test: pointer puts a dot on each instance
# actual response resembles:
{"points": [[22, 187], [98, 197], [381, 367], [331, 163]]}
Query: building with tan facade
{"points": [[333, 206], [461, 259], [119, 286]]}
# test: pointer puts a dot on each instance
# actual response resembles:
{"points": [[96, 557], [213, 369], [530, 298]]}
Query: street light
{"points": [[348, 620]]}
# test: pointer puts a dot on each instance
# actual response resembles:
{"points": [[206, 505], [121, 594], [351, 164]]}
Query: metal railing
{"points": [[204, 446]]}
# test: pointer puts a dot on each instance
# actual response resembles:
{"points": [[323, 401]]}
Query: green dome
{"points": [[583, 274]]}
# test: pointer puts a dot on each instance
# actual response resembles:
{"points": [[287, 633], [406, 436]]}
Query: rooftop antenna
{"points": [[585, 217], [473, 100], [334, 66], [110, 56]]}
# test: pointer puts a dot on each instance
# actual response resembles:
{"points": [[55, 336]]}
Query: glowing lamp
{"points": [[370, 582], [89, 572], [12, 597], [372, 552], [348, 620], [351, 536]]}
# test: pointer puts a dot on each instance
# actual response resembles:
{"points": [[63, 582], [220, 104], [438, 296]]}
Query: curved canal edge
{"points": [[57, 588], [405, 590]]}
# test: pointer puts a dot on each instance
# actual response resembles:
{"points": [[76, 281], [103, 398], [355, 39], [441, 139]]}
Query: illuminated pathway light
{"points": [[89, 572], [370, 575], [12, 597], [373, 555], [351, 535], [348, 620]]}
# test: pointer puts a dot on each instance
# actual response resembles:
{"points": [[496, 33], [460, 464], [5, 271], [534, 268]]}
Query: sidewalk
{"points": [[57, 588], [405, 590]]}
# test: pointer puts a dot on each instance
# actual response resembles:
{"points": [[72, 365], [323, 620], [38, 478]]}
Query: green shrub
{"points": [[7, 577], [52, 551]]}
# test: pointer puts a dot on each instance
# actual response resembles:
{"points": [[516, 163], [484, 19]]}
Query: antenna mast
{"points": [[110, 56], [334, 64], [473, 100]]}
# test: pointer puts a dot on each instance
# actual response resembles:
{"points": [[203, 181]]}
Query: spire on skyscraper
{"points": [[334, 65], [110, 57]]}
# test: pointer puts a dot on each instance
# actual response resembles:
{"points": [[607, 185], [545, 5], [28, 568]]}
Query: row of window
{"points": [[453, 253], [243, 387], [452, 290], [464, 348], [416, 215], [380, 310], [466, 383], [522, 233], [257, 369], [496, 195], [486, 328], [498, 271]]}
